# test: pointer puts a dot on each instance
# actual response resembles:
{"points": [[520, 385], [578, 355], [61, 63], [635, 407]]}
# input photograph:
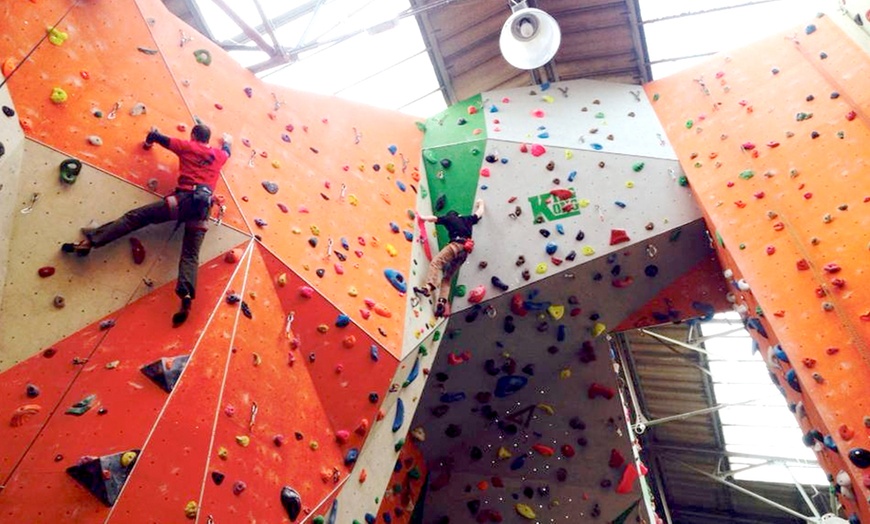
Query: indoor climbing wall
{"points": [[589, 224], [773, 140], [303, 354]]}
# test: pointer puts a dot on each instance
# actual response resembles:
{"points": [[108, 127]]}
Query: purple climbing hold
{"points": [[270, 187], [249, 92]]}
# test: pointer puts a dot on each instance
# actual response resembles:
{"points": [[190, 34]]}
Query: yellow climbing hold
{"points": [[548, 99], [391, 167], [315, 230], [322, 328], [598, 329], [392, 250], [223, 453], [354, 201], [58, 95], [629, 184], [313, 445], [191, 509], [276, 164], [588, 251], [556, 311], [243, 440], [504, 454], [546, 408], [282, 280], [295, 230], [128, 458], [541, 268], [583, 202], [56, 36], [569, 154], [525, 511], [565, 373], [352, 291]]}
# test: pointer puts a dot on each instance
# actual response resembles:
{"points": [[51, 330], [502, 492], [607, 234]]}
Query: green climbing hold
{"points": [[69, 170], [318, 519], [460, 290], [400, 444], [414, 473], [683, 181], [623, 517], [689, 124], [656, 97], [203, 56], [421, 126], [637, 167], [436, 337], [675, 234], [759, 311], [742, 246], [423, 351], [746, 175]]}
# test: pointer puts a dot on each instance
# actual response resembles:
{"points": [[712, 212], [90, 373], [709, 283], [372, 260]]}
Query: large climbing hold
{"points": [[166, 371], [292, 502], [104, 476]]}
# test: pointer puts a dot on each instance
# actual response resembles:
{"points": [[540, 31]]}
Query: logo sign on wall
{"points": [[554, 205]]}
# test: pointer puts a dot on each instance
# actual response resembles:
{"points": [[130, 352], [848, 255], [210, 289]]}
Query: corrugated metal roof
{"points": [[671, 380]]}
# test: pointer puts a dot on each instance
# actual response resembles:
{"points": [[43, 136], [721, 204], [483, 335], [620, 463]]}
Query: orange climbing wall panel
{"points": [[773, 139], [263, 397], [339, 359], [172, 465], [338, 166], [39, 488]]}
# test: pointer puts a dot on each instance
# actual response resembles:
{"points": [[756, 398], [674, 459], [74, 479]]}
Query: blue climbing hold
{"points": [[394, 227], [401, 186], [597, 147], [504, 160], [392, 149], [333, 512], [560, 229], [509, 384], [400, 415], [397, 467], [518, 462], [342, 320], [561, 333], [351, 456], [811, 29], [545, 86], [572, 175], [388, 519], [484, 187], [373, 351], [792, 379], [412, 375], [493, 109], [754, 323], [396, 279], [449, 398], [370, 519], [707, 309], [544, 134], [409, 236], [620, 204], [344, 243], [829, 443], [779, 353], [551, 248]]}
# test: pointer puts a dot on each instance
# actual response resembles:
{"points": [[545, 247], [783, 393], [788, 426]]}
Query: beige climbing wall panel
{"points": [[91, 286], [12, 143]]}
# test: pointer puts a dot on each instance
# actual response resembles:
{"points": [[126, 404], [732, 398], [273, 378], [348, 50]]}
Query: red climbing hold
{"points": [[538, 150], [475, 296], [618, 236], [517, 306], [851, 115], [46, 271], [568, 450], [802, 265], [616, 459], [562, 194], [138, 250], [597, 390], [628, 477], [546, 451], [831, 268]]}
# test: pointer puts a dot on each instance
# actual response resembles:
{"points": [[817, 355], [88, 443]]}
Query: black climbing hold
{"points": [[583, 441], [166, 371], [476, 453], [320, 272], [553, 350], [461, 121], [246, 310], [835, 95], [270, 187], [576, 423], [509, 326], [491, 368], [2, 149], [374, 397], [561, 474], [440, 410], [453, 431], [217, 477], [594, 317], [312, 241], [446, 163], [597, 276], [440, 203], [580, 236], [823, 55], [528, 492], [860, 457], [616, 270], [441, 376], [376, 167], [32, 391], [291, 501], [810, 98], [8, 111], [571, 256], [488, 413], [473, 506], [473, 313], [498, 283], [529, 369], [491, 159], [651, 270], [104, 476], [544, 233], [69, 170]]}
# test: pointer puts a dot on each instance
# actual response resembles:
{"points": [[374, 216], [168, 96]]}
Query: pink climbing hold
{"points": [[342, 436], [538, 150], [476, 295], [306, 291], [484, 172], [472, 110], [538, 113]]}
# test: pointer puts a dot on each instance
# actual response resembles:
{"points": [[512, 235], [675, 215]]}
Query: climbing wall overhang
{"points": [[772, 138]]}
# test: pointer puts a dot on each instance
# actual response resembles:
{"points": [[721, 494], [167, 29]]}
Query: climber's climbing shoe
{"points": [[441, 308], [421, 291], [181, 315], [81, 249]]}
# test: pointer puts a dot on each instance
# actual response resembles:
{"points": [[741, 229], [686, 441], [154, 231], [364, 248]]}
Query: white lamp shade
{"points": [[529, 38]]}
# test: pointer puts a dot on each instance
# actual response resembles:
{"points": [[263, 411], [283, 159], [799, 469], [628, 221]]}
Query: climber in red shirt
{"points": [[199, 167]]}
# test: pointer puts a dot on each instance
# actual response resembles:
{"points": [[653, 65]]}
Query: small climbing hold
{"points": [[202, 56], [270, 187], [95, 140], [69, 170]]}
